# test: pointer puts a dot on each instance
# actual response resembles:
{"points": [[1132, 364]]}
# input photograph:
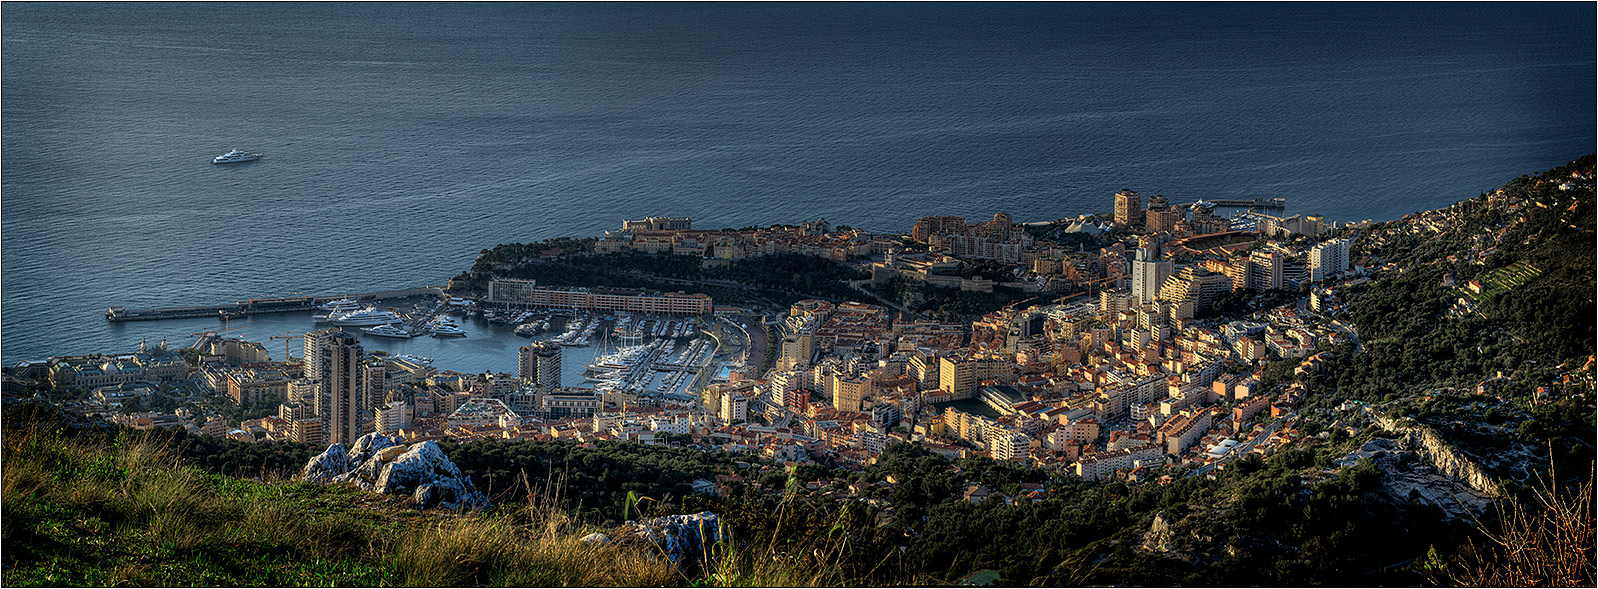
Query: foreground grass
{"points": [[124, 511], [86, 506]]}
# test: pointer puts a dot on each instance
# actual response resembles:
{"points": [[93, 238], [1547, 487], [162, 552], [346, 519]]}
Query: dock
{"points": [[257, 306], [1278, 205]]}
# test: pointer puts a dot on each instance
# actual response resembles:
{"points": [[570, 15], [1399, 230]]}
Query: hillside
{"points": [[1472, 432], [1505, 374]]}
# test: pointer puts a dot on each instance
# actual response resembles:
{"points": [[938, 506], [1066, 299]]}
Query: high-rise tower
{"points": [[1128, 209], [342, 396], [539, 363]]}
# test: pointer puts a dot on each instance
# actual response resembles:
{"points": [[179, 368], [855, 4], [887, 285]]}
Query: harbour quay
{"points": [[256, 306]]}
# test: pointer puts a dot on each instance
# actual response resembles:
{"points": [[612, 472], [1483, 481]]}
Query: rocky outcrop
{"points": [[427, 474], [336, 465], [376, 463], [325, 466], [1448, 461], [685, 539], [1158, 538], [1407, 473]]}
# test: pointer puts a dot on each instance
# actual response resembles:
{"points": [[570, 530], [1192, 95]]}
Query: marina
{"points": [[639, 355]]}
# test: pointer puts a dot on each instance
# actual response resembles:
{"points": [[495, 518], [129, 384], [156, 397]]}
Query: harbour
{"points": [[637, 356]]}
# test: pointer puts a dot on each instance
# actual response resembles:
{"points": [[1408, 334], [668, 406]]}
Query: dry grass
{"points": [[763, 562], [535, 545], [108, 510], [75, 501], [1547, 541]]}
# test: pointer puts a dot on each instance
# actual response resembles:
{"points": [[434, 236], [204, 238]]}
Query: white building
{"points": [[734, 408], [679, 425], [1328, 259], [870, 441], [391, 417], [1148, 274], [1011, 445]]}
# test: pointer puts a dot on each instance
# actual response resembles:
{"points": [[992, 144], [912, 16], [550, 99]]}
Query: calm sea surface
{"points": [[401, 139]]}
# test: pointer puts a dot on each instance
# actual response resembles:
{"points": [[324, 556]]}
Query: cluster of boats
{"points": [[579, 332], [508, 317], [382, 323], [532, 328], [629, 328], [632, 369]]}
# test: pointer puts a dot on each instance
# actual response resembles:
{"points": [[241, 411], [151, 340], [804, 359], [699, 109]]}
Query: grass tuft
{"points": [[1544, 541]]}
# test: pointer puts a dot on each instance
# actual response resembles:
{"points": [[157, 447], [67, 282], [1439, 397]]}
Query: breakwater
{"points": [[257, 306]]}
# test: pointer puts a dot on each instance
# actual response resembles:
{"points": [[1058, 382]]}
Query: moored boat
{"points": [[388, 331]]}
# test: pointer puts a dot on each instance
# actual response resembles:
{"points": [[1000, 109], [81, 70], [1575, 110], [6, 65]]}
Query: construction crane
{"points": [[287, 337], [203, 336], [213, 331], [1090, 283], [1014, 304]]}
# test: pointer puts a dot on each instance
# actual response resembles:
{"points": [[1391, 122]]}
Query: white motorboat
{"points": [[235, 156], [345, 305], [365, 317], [447, 328], [332, 309], [388, 331]]}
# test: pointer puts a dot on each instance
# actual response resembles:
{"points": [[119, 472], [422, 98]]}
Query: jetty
{"points": [[257, 306], [1265, 205]]}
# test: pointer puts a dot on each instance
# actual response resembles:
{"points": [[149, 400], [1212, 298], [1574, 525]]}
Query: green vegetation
{"points": [[122, 509], [1279, 522], [948, 304], [1429, 367], [1502, 280], [595, 478], [88, 504], [776, 280]]}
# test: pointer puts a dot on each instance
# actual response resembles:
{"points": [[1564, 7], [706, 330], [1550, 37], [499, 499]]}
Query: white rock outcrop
{"points": [[685, 539], [1158, 538], [376, 463], [325, 466]]}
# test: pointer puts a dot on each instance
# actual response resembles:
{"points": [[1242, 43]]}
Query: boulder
{"points": [[427, 497], [368, 446], [324, 467], [390, 452], [375, 463], [363, 475], [685, 539], [596, 538], [426, 464]]}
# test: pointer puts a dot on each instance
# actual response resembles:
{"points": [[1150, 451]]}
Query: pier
{"points": [[1264, 205], [256, 306]]}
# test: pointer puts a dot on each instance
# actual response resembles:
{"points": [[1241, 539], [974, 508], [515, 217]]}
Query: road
{"points": [[754, 330], [1244, 448], [732, 340], [1353, 335]]}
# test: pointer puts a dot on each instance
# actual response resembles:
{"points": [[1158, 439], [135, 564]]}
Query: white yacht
{"points": [[332, 309], [235, 156], [339, 305], [365, 317], [447, 328], [388, 331]]}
